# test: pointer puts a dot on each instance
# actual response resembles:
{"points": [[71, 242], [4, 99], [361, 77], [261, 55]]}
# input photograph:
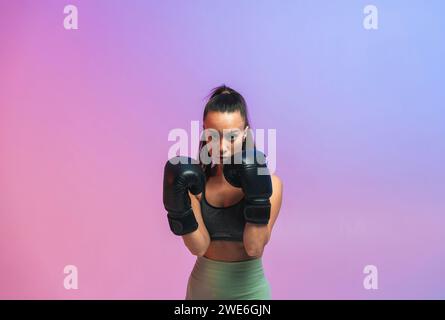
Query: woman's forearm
{"points": [[196, 242], [255, 238]]}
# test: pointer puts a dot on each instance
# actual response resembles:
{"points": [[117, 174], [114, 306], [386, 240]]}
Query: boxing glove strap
{"points": [[182, 223], [257, 213]]}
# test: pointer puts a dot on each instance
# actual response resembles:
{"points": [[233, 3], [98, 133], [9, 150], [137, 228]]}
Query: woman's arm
{"points": [[257, 236], [199, 240]]}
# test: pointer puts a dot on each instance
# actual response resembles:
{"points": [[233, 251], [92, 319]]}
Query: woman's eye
{"points": [[232, 138]]}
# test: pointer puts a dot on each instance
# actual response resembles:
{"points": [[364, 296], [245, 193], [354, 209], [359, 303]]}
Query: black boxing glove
{"points": [[179, 177], [248, 170]]}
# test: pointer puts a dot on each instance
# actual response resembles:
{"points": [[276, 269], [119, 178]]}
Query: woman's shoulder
{"points": [[276, 180], [277, 185]]}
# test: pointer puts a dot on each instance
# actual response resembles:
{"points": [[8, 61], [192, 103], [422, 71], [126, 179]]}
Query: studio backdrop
{"points": [[353, 91]]}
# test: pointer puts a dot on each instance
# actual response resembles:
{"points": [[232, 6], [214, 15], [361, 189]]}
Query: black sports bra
{"points": [[223, 223]]}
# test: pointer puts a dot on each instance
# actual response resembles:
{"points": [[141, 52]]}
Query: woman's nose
{"points": [[224, 146]]}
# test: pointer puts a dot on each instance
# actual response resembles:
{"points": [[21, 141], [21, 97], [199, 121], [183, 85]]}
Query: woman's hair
{"points": [[224, 99]]}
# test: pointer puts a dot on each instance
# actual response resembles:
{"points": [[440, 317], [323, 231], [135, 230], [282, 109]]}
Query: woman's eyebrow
{"points": [[227, 131], [233, 131]]}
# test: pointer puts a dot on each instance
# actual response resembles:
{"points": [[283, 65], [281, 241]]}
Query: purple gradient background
{"points": [[85, 114]]}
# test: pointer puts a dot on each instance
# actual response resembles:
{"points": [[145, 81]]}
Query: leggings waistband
{"points": [[211, 279]]}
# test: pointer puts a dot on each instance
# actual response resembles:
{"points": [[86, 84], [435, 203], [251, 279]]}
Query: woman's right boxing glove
{"points": [[181, 175]]}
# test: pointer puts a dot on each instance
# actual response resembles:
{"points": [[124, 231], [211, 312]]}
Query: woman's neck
{"points": [[218, 170]]}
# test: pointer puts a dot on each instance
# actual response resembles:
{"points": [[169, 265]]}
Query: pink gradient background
{"points": [[85, 114]]}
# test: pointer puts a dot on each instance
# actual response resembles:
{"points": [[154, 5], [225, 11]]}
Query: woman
{"points": [[227, 238]]}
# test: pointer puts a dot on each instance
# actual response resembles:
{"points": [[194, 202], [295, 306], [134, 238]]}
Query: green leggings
{"points": [[240, 280]]}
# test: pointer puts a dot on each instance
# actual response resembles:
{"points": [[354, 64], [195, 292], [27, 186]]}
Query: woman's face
{"points": [[229, 128]]}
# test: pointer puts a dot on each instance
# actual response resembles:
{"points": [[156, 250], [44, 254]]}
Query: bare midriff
{"points": [[229, 251]]}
